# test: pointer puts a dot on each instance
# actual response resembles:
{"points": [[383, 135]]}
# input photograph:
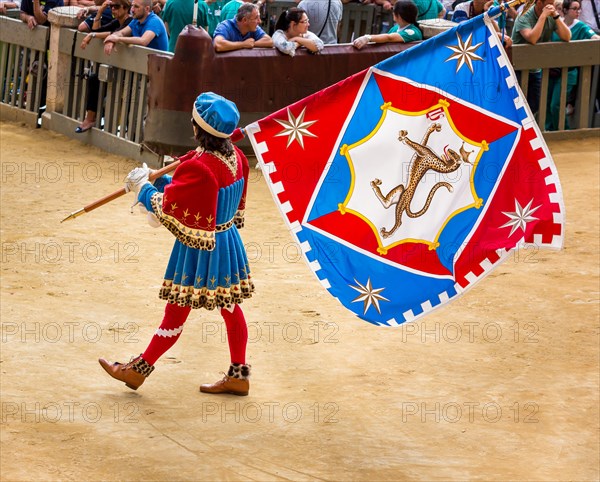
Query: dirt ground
{"points": [[501, 384]]}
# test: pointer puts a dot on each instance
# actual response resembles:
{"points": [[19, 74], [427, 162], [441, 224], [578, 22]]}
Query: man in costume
{"points": [[203, 207]]}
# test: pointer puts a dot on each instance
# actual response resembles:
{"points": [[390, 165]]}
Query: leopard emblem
{"points": [[424, 159]]}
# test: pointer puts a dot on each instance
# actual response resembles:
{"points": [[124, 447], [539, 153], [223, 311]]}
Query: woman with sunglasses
{"points": [[121, 18], [291, 32]]}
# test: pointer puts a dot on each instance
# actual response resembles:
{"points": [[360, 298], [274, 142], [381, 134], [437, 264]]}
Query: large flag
{"points": [[409, 182]]}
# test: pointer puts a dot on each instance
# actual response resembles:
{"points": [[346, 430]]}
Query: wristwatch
{"points": [[556, 17], [368, 38]]}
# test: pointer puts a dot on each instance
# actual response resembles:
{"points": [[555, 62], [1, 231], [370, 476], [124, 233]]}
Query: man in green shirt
{"points": [[179, 13], [231, 8], [429, 9], [215, 9], [533, 27]]}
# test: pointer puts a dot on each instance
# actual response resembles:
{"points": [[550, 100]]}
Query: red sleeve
{"points": [[237, 135]]}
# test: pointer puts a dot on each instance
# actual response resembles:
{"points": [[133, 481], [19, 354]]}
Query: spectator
{"points": [[179, 13], [87, 8], [448, 5], [326, 16], [579, 31], [158, 6], [215, 9], [387, 5], [35, 12], [231, 8], [291, 32], [121, 11], [405, 29], [102, 15], [590, 14], [146, 29], [5, 6], [429, 9], [243, 32], [472, 8], [535, 26]]}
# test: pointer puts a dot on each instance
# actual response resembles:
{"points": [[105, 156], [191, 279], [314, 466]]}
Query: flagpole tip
{"points": [[74, 215]]}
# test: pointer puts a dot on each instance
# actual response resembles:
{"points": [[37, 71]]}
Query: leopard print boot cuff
{"points": [[142, 366], [237, 370]]}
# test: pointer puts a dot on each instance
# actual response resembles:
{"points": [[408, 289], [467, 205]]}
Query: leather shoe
{"points": [[234, 386], [133, 374]]}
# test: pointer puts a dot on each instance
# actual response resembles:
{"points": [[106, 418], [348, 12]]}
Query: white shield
{"points": [[381, 156]]}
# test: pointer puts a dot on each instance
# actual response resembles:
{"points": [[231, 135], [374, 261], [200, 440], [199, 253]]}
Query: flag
{"points": [[407, 183]]}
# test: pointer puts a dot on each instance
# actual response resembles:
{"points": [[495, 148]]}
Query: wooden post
{"points": [[58, 63]]}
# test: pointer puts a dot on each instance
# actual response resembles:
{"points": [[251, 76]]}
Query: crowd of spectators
{"points": [[236, 24]]}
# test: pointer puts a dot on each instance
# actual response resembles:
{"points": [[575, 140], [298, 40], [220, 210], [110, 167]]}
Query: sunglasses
{"points": [[115, 7]]}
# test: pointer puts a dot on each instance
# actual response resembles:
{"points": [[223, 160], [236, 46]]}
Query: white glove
{"points": [[150, 216], [137, 178]]}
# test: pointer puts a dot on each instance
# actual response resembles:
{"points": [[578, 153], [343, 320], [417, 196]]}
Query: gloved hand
{"points": [[137, 178], [150, 216]]}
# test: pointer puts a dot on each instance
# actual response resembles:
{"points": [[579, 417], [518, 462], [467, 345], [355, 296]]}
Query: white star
{"points": [[295, 128], [464, 52], [520, 217], [368, 295]]}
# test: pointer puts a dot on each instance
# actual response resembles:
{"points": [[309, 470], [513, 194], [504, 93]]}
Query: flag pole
{"points": [[504, 6], [117, 194]]}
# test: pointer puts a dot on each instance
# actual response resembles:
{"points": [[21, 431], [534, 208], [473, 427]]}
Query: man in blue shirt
{"points": [[146, 29], [241, 32]]}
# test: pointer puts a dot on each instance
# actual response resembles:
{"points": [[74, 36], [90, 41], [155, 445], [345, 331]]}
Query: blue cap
{"points": [[215, 114]]}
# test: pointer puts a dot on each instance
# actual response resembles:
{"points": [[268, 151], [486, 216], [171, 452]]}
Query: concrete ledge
{"points": [[103, 140], [14, 114]]}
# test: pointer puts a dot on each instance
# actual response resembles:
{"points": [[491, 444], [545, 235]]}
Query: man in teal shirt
{"points": [[533, 27], [429, 9], [215, 9], [230, 10]]}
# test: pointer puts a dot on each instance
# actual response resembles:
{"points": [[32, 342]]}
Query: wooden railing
{"points": [[585, 55], [121, 102], [23, 70]]}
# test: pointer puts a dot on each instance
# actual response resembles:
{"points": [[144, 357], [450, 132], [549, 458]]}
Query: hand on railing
{"points": [[109, 47]]}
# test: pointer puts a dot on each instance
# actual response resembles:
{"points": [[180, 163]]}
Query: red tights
{"points": [[172, 325]]}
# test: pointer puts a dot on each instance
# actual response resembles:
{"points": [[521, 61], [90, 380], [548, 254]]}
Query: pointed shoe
{"points": [[133, 374], [236, 382], [227, 384]]}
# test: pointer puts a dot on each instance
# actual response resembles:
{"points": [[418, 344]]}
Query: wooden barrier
{"points": [[23, 69]]}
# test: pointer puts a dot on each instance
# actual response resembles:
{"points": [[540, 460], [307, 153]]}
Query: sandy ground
{"points": [[501, 384]]}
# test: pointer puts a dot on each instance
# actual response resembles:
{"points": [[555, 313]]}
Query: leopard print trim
{"points": [[141, 366], [238, 219], [196, 298], [238, 370], [224, 227], [193, 238]]}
